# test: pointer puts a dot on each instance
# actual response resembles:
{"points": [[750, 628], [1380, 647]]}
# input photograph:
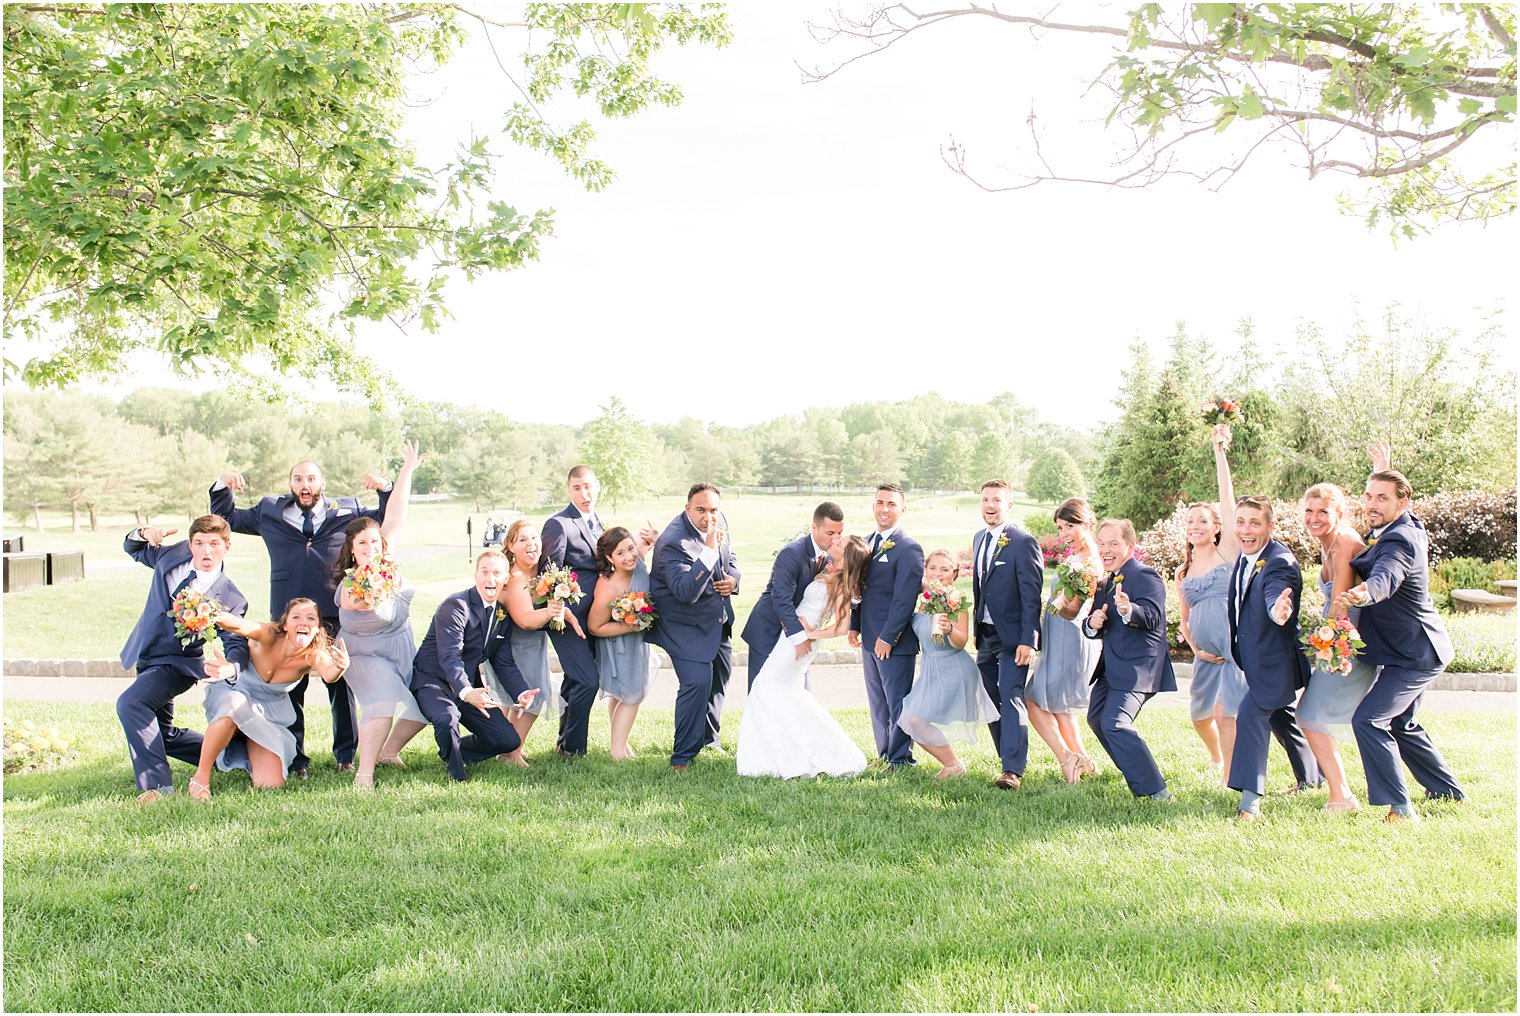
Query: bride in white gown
{"points": [[785, 731]]}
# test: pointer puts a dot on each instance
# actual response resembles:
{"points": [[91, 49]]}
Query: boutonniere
{"points": [[1260, 563], [1372, 541], [886, 545], [501, 615], [1002, 542]]}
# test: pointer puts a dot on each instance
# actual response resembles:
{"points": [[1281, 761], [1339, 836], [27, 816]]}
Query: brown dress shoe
{"points": [[679, 767], [1007, 781], [345, 767]]}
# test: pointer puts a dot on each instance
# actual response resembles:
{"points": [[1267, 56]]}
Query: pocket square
{"points": [[882, 559], [344, 511], [998, 564]]}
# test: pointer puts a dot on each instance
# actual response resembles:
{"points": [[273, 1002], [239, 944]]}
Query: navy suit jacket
{"points": [[152, 642], [451, 653], [1135, 655], [694, 619], [568, 543], [894, 578], [1400, 625], [1268, 653], [776, 610], [297, 568], [1014, 588]]}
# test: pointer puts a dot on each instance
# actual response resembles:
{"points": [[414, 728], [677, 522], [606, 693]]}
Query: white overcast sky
{"points": [[769, 245]]}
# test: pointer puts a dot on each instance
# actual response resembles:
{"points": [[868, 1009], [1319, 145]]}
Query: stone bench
{"points": [[1507, 587], [1481, 602]]}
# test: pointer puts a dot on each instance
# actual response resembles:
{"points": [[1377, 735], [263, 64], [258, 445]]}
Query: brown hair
{"points": [[608, 542], [1256, 502], [576, 472], [1213, 510], [506, 541], [1125, 526], [346, 555], [1075, 510], [846, 582], [319, 641], [999, 484], [890, 486], [1401, 486], [212, 525]]}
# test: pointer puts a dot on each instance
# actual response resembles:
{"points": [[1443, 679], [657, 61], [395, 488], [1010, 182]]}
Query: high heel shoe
{"points": [[1071, 767], [1086, 766]]}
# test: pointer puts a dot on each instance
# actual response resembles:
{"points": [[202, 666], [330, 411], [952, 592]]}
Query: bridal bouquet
{"points": [[938, 599], [1333, 646], [1222, 410], [193, 613], [557, 584], [373, 584], [1076, 578], [634, 609]]}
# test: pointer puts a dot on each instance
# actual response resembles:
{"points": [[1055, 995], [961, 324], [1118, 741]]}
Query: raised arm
{"points": [[1229, 548], [1381, 454], [399, 505], [242, 520]]}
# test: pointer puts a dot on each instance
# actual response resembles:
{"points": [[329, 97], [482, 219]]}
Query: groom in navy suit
{"points": [[692, 582], [470, 628], [798, 563], [1408, 643], [883, 623], [1129, 614], [304, 532], [1265, 591], [165, 668], [1007, 580], [569, 539]]}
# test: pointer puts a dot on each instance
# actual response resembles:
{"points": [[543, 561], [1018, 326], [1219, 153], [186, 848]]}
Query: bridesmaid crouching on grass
{"points": [[948, 702], [258, 704], [623, 659]]}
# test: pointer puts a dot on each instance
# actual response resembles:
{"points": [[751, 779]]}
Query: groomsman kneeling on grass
{"points": [[165, 667], [469, 629], [1265, 589], [1129, 615], [1409, 645]]}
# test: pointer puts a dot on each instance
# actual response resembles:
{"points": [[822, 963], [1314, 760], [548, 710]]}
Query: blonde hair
{"points": [[1329, 492], [947, 555], [492, 553]]}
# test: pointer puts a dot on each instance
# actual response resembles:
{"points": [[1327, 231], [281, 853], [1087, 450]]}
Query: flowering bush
{"points": [[1469, 523], [1053, 550], [964, 557], [28, 747], [1039, 524]]}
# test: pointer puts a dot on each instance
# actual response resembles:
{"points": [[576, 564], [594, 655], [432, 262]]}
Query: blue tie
{"points": [[307, 529]]}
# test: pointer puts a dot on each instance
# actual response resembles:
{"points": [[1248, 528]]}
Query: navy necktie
{"points": [[183, 584], [307, 529], [875, 544]]}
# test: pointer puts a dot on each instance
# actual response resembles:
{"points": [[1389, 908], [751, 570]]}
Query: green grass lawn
{"points": [[50, 623], [597, 886]]}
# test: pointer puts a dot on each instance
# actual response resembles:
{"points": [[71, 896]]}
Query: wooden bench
{"points": [[25, 571], [65, 566], [1479, 601]]}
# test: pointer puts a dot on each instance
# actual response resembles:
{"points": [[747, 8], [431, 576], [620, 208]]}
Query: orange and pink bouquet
{"points": [[1333, 646], [557, 583], [193, 615], [938, 599], [634, 609], [374, 583], [1222, 410]]}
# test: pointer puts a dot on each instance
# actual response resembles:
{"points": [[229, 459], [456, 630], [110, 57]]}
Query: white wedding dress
{"points": [[784, 731]]}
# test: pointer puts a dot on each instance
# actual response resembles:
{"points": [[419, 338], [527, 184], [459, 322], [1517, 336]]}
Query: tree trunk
{"points": [[74, 516], [37, 515], [94, 518]]}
